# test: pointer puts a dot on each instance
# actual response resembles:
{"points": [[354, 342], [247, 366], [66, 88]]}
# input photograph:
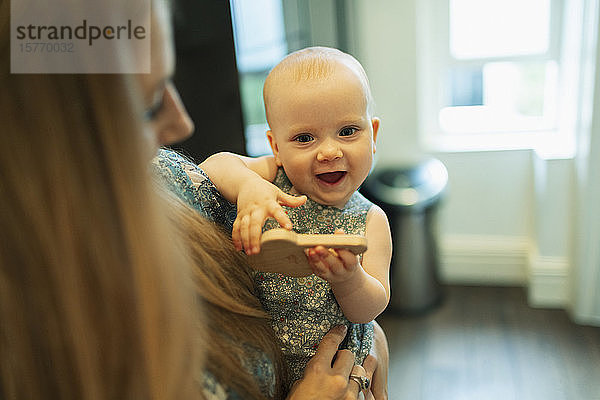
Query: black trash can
{"points": [[410, 198]]}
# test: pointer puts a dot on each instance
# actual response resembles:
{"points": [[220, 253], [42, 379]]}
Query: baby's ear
{"points": [[375, 124], [274, 147]]}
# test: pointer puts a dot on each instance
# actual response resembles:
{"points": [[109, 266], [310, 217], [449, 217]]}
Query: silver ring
{"points": [[363, 381]]}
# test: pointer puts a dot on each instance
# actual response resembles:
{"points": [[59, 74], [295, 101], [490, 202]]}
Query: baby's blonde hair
{"points": [[314, 63]]}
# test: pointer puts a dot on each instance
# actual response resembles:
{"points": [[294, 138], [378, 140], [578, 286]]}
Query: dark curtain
{"points": [[207, 78]]}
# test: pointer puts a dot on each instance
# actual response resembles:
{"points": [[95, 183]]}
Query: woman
{"points": [[94, 304]]}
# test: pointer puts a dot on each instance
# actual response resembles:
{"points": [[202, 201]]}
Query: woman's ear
{"points": [[274, 148], [375, 124]]}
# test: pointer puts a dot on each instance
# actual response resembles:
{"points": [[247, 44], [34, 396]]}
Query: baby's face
{"points": [[322, 135]]}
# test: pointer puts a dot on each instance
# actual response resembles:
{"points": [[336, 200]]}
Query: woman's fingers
{"points": [[369, 366], [354, 390], [329, 344], [344, 362], [324, 380], [366, 370], [357, 371]]}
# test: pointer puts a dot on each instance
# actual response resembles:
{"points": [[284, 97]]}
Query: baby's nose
{"points": [[328, 152]]}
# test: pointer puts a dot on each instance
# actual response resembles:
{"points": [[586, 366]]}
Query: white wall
{"points": [[385, 45], [489, 194], [507, 218]]}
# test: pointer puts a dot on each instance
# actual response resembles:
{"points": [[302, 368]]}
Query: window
{"points": [[492, 72], [260, 42], [264, 32]]}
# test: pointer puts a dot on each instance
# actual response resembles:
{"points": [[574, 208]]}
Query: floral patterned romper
{"points": [[304, 309]]}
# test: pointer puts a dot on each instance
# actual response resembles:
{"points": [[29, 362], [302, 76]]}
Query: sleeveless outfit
{"points": [[304, 309]]}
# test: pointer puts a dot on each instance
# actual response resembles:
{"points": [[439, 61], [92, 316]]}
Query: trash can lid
{"points": [[418, 186]]}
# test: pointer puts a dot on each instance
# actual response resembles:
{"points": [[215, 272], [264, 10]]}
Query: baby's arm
{"points": [[246, 182], [362, 290]]}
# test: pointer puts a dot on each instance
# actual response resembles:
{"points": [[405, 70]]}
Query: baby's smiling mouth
{"points": [[331, 177]]}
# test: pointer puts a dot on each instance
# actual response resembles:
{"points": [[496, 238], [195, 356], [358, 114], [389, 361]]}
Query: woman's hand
{"points": [[326, 381], [258, 200]]}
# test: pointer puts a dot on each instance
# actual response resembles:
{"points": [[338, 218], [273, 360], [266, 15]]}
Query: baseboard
{"points": [[549, 281], [585, 319], [505, 261], [484, 260]]}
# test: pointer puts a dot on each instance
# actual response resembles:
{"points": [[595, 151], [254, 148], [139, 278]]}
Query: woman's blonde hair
{"points": [[96, 271], [237, 327], [95, 296]]}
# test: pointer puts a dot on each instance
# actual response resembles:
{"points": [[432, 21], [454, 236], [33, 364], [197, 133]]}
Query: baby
{"points": [[322, 132]]}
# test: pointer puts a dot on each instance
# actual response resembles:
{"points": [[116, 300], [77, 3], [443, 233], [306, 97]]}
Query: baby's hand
{"points": [[257, 201], [333, 265]]}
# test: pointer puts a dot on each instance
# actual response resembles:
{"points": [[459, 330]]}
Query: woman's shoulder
{"points": [[171, 170], [169, 160], [191, 184]]}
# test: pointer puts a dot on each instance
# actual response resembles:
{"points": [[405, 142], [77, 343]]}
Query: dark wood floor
{"points": [[486, 343]]}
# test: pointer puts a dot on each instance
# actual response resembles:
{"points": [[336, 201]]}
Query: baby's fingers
{"points": [[236, 235], [327, 257], [348, 258], [244, 233], [318, 266], [289, 200], [255, 231], [277, 212]]}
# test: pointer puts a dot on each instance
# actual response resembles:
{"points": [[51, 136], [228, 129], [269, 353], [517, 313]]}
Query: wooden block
{"points": [[282, 251]]}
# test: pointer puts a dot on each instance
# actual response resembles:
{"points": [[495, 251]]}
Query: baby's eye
{"points": [[303, 138], [348, 131]]}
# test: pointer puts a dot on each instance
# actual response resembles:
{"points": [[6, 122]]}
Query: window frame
{"points": [[305, 23], [435, 60]]}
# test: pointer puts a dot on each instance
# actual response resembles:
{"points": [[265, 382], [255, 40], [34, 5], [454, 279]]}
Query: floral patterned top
{"points": [[304, 309], [193, 186]]}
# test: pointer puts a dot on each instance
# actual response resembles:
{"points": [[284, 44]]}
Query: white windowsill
{"points": [[547, 144]]}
